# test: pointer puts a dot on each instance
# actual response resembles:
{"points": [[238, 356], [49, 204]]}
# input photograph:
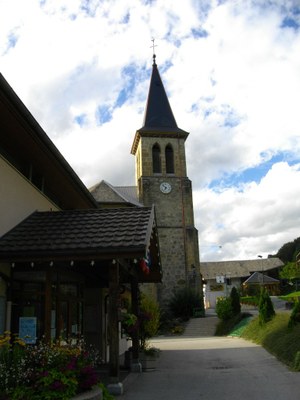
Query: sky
{"points": [[231, 69]]}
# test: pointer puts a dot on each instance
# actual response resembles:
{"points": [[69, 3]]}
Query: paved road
{"points": [[213, 368]]}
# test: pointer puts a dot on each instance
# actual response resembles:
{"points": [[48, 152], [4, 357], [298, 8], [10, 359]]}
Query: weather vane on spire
{"points": [[153, 46]]}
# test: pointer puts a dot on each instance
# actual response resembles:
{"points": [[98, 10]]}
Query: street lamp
{"points": [[262, 268]]}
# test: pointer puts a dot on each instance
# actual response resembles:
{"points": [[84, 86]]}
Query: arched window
{"points": [[156, 161], [169, 159]]}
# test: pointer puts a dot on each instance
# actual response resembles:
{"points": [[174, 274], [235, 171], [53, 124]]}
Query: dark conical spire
{"points": [[159, 118], [158, 113]]}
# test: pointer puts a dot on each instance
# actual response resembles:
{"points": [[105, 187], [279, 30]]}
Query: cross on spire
{"points": [[153, 46]]}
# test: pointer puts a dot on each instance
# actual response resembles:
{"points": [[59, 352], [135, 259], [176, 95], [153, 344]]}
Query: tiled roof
{"points": [[239, 268], [129, 193], [97, 232], [258, 278], [104, 192]]}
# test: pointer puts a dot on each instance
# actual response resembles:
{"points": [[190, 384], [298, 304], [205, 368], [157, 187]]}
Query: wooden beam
{"points": [[48, 303], [135, 310], [113, 328]]}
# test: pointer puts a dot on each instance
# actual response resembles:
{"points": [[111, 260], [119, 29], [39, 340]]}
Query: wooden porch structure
{"points": [[99, 248]]}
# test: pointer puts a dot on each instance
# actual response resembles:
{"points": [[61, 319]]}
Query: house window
{"points": [[59, 311], [156, 159], [169, 159]]}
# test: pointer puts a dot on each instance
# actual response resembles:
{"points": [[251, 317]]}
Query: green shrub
{"points": [[295, 315], [224, 308], [45, 371], [183, 302], [297, 361], [105, 393], [170, 324], [235, 301], [149, 319], [265, 307]]}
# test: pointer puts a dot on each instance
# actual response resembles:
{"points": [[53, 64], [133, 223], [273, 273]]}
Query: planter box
{"points": [[94, 394], [148, 361]]}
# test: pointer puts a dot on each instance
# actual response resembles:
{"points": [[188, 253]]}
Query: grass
{"points": [[251, 300], [291, 296], [277, 338], [239, 328], [227, 327]]}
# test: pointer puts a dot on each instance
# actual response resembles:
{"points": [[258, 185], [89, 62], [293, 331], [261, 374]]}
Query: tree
{"points": [[295, 315], [290, 271], [289, 250], [265, 307], [235, 301]]}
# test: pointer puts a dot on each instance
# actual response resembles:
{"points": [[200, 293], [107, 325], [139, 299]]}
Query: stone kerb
{"points": [[94, 394]]}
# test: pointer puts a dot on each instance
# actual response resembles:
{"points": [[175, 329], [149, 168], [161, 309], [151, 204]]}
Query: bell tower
{"points": [[161, 179]]}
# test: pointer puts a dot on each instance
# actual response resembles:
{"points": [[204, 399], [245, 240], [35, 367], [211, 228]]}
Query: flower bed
{"points": [[45, 371]]}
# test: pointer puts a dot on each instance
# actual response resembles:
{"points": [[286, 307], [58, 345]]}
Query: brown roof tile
{"points": [[81, 232]]}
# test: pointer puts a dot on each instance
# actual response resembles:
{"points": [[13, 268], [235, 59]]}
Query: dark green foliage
{"points": [[288, 251], [149, 319], [295, 315], [183, 302], [224, 308], [105, 393], [235, 301], [290, 271], [265, 307]]}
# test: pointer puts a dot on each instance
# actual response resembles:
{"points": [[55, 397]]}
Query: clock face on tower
{"points": [[165, 187]]}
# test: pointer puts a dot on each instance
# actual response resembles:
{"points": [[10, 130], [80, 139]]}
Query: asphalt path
{"points": [[213, 368]]}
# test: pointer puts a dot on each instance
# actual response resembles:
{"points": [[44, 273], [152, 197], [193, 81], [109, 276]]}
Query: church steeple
{"points": [[161, 179], [158, 117], [158, 113]]}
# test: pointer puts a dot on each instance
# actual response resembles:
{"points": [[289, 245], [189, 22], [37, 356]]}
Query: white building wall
{"points": [[18, 197], [211, 294]]}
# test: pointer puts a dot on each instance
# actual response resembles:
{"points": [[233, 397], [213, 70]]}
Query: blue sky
{"points": [[231, 71]]}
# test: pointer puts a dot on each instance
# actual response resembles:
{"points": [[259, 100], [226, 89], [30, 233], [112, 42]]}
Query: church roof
{"points": [[158, 118], [106, 193]]}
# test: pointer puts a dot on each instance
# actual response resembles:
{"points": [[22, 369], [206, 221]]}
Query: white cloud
{"points": [[257, 218]]}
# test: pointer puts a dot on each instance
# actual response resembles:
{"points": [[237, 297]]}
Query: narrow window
{"points": [[156, 162], [169, 159]]}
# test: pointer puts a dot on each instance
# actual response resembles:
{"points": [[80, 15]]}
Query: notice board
{"points": [[27, 329]]}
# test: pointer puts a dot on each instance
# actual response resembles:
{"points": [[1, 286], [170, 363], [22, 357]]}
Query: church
{"points": [[161, 180]]}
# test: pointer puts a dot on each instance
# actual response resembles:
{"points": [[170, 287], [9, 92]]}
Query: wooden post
{"points": [[113, 328], [48, 302], [136, 366]]}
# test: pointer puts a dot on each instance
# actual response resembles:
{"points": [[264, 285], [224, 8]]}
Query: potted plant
{"points": [[146, 323], [149, 320]]}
